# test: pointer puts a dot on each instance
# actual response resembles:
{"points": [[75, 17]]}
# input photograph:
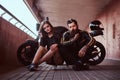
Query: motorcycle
{"points": [[27, 50]]}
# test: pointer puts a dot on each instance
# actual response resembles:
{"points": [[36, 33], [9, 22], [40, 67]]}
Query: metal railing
{"points": [[21, 26]]}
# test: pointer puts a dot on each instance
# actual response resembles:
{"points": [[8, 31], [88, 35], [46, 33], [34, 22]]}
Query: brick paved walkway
{"points": [[108, 70]]}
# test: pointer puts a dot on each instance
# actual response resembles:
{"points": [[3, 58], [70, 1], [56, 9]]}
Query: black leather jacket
{"points": [[84, 38]]}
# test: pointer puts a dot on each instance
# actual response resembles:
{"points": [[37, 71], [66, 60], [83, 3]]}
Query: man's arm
{"points": [[90, 40], [67, 40]]}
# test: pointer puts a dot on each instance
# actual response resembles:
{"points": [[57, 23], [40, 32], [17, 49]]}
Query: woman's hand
{"points": [[40, 34], [53, 47]]}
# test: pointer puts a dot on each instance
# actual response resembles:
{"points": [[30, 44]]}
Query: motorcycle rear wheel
{"points": [[99, 55]]}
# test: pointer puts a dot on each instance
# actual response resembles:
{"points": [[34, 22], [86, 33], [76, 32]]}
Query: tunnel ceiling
{"points": [[59, 11]]}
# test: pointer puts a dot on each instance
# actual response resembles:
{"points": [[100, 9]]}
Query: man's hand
{"points": [[75, 37], [82, 51]]}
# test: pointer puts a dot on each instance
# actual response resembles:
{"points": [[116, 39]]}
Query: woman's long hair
{"points": [[41, 30]]}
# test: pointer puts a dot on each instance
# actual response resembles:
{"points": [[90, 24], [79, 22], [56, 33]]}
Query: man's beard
{"points": [[73, 32]]}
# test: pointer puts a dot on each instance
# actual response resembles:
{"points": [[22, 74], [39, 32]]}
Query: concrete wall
{"points": [[10, 39], [110, 18]]}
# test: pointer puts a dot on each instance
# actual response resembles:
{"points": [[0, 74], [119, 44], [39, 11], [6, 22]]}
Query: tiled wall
{"points": [[10, 39], [110, 18]]}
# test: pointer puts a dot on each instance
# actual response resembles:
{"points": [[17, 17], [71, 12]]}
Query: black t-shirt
{"points": [[46, 41]]}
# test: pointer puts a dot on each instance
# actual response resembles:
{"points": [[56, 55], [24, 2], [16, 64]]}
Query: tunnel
{"points": [[107, 11], [58, 12]]}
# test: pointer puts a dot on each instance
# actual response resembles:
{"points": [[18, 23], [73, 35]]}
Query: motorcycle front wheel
{"points": [[26, 52]]}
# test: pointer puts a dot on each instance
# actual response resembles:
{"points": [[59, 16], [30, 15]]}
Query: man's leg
{"points": [[71, 57], [68, 55], [84, 61]]}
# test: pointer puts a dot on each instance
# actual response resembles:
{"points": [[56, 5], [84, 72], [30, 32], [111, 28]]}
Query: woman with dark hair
{"points": [[51, 40]]}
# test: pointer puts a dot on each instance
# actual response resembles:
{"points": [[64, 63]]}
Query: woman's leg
{"points": [[50, 53], [34, 65], [58, 60], [38, 55]]}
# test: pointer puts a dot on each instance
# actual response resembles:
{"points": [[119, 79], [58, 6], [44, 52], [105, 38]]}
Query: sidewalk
{"points": [[108, 70]]}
